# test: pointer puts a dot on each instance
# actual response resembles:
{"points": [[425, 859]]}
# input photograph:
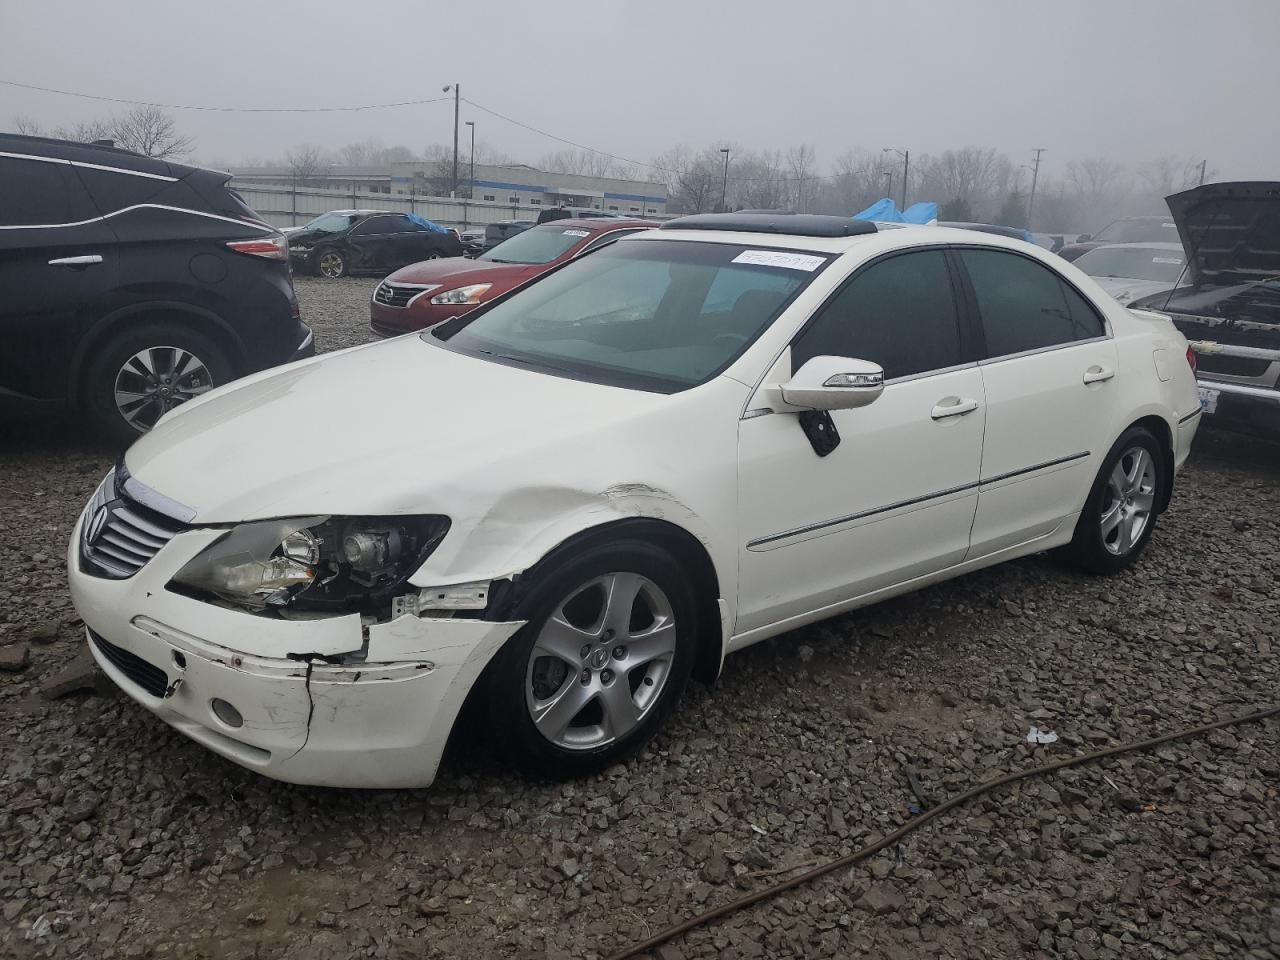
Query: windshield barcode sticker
{"points": [[776, 258], [577, 233], [1165, 260]]}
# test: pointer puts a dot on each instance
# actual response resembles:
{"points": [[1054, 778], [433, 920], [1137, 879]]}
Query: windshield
{"points": [[537, 244], [331, 222], [1138, 231], [658, 315], [1134, 263]]}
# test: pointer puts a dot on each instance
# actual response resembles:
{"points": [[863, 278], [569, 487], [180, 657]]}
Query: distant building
{"points": [[505, 185], [520, 185]]}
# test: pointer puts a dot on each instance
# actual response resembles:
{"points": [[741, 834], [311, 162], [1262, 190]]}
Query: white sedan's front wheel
{"points": [[600, 664]]}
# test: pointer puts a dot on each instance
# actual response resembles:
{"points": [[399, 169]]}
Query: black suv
{"points": [[129, 285], [343, 242]]}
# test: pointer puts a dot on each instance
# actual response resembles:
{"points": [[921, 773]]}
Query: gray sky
{"points": [[1130, 79]]}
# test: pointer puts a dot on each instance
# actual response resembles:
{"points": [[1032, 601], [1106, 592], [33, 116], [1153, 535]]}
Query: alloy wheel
{"points": [[330, 265], [155, 380], [600, 661], [1128, 500]]}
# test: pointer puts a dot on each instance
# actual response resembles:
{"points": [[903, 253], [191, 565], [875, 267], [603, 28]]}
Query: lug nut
{"points": [[606, 676], [585, 676], [619, 652]]}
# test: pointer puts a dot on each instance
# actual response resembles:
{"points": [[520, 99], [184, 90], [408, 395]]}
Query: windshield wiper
{"points": [[525, 361]]}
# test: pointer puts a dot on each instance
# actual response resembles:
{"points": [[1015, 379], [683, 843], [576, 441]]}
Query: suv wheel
{"points": [[141, 374], [599, 666], [331, 264], [1120, 514]]}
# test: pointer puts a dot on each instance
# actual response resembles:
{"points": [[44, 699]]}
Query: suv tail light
{"points": [[269, 248], [1191, 359]]}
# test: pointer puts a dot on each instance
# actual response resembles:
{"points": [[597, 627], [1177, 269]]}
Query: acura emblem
{"points": [[97, 523]]}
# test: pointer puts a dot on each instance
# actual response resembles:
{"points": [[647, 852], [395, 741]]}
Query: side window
{"points": [[375, 226], [115, 191], [1024, 305], [899, 313], [36, 193], [601, 240]]}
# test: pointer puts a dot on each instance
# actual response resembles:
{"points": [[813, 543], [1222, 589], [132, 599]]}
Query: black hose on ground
{"points": [[733, 906]]}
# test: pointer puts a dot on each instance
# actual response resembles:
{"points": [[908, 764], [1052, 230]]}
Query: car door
{"points": [[57, 263], [1049, 372], [895, 499], [373, 240]]}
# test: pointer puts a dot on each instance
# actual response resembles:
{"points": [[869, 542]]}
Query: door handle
{"points": [[953, 407], [83, 261], [1097, 374]]}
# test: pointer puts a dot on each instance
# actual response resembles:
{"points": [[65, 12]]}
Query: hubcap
{"points": [[330, 265], [1127, 503], [155, 380], [600, 661]]}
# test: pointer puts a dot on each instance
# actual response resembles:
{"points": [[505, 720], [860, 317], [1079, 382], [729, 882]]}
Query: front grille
{"points": [[119, 535], [148, 676], [1232, 366], [395, 294]]}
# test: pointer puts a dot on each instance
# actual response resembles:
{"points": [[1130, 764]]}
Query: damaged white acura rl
{"points": [[560, 506]]}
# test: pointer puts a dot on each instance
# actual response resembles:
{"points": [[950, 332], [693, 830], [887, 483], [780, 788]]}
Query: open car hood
{"points": [[1231, 231]]}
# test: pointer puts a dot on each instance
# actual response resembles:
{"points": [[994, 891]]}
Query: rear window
{"points": [[538, 244], [1139, 231], [1134, 263]]}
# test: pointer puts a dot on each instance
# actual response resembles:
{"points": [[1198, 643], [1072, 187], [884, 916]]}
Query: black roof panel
{"points": [[794, 224]]}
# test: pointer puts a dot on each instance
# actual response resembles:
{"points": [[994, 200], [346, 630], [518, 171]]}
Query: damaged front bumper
{"points": [[323, 701]]}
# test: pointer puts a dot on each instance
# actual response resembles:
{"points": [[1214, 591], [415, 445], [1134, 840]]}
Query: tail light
{"points": [[269, 248], [1191, 359]]}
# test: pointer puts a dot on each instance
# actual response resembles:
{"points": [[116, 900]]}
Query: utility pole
{"points": [[906, 169], [457, 95], [724, 184], [888, 188], [1202, 164], [471, 188], [1035, 175]]}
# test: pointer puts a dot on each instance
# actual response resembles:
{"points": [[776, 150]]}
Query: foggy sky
{"points": [[1131, 80]]}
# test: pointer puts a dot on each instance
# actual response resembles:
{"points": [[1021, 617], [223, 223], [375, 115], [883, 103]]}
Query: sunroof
{"points": [[795, 224]]}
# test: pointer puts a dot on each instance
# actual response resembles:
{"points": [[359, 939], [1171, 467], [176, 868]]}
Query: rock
{"points": [[326, 919], [82, 807], [569, 867], [80, 674], [82, 832], [44, 632], [433, 907], [1240, 524], [804, 652], [15, 658], [255, 919], [879, 900], [949, 698]]}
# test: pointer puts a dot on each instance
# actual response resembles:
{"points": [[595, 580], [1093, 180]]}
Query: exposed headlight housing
{"points": [[325, 564], [468, 294]]}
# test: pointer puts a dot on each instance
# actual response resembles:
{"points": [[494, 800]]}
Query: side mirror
{"points": [[833, 383], [1083, 238]]}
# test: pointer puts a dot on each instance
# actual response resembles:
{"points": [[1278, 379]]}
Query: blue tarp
{"points": [[424, 222], [886, 211]]}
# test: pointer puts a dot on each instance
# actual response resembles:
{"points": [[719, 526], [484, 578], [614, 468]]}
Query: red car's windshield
{"points": [[537, 244]]}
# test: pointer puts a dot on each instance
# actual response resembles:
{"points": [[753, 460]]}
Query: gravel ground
{"points": [[119, 837]]}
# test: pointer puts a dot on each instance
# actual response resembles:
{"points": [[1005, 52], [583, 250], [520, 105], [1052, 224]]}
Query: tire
{"points": [[117, 383], [331, 263], [1120, 514], [523, 680]]}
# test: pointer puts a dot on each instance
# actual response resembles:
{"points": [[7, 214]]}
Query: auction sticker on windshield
{"points": [[776, 258], [577, 233]]}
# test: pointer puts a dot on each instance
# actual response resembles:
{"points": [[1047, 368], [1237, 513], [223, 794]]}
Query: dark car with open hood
{"points": [[343, 242], [1228, 303], [129, 285]]}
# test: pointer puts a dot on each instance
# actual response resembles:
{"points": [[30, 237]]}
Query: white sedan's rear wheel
{"points": [[1120, 514]]}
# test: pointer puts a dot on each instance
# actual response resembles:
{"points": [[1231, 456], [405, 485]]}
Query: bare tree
{"points": [[151, 132], [801, 162], [1094, 177], [86, 131], [975, 175], [584, 162], [305, 161], [28, 126]]}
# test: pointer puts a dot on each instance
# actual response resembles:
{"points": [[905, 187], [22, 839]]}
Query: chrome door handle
{"points": [[1097, 374], [84, 261], [953, 407]]}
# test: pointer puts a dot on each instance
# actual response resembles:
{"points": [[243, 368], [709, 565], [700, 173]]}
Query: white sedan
{"points": [[565, 503]]}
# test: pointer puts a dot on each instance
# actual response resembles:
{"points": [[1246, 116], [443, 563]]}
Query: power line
{"points": [[190, 106]]}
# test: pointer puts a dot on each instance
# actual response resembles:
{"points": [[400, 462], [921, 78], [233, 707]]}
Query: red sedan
{"points": [[426, 293]]}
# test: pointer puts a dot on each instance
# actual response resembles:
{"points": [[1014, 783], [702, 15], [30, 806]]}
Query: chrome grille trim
{"points": [[401, 294], [118, 535]]}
